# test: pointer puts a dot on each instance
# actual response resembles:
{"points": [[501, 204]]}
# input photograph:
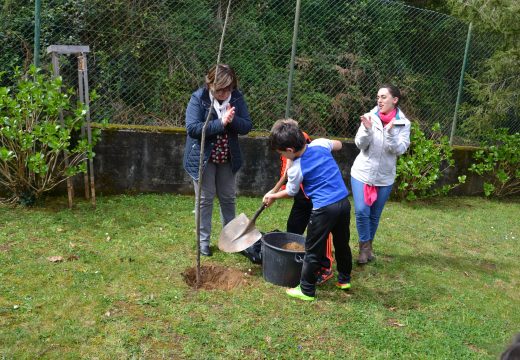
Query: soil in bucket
{"points": [[281, 265], [294, 246]]}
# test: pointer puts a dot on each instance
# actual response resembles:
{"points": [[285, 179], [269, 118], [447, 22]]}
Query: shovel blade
{"points": [[242, 242], [238, 235]]}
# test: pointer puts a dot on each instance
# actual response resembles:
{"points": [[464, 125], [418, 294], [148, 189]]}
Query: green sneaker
{"points": [[297, 293], [343, 286]]}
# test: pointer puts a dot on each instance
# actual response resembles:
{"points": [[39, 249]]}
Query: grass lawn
{"points": [[445, 285]]}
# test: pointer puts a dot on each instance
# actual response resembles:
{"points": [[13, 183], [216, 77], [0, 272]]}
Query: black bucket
{"points": [[280, 266]]}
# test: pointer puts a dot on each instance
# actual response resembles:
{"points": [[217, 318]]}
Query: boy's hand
{"points": [[336, 145], [269, 198]]}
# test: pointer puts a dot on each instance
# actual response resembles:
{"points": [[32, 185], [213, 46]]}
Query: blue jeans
{"points": [[367, 217], [217, 180]]}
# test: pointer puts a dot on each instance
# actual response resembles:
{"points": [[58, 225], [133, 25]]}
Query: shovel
{"points": [[240, 233]]}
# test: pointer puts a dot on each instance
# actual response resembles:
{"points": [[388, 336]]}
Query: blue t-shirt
{"points": [[319, 173]]}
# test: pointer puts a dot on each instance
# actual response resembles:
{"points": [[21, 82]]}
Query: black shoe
{"points": [[255, 258], [254, 253], [205, 250]]}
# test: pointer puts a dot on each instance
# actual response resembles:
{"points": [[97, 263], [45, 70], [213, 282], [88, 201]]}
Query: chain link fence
{"points": [[148, 56]]}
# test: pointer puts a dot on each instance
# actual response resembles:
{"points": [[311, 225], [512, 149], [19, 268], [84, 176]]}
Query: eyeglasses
{"points": [[226, 89]]}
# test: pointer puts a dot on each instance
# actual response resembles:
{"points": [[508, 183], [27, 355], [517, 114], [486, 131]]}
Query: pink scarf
{"points": [[386, 118], [369, 191], [370, 194]]}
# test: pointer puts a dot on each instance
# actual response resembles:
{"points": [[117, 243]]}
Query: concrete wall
{"points": [[147, 160]]}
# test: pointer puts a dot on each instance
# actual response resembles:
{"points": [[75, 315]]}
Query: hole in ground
{"points": [[214, 277]]}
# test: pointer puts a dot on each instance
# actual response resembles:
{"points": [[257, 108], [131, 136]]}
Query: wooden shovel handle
{"points": [[277, 187], [257, 213]]}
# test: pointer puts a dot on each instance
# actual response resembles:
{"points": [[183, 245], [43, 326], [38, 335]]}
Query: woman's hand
{"points": [[366, 121], [228, 115], [390, 125]]}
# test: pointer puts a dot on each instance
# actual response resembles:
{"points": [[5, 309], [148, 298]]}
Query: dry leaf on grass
{"points": [[394, 322], [55, 258]]}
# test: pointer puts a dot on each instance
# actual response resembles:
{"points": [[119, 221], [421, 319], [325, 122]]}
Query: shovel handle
{"points": [[277, 187], [258, 212]]}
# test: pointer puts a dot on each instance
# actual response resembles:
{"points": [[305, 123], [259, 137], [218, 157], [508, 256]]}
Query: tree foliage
{"points": [[495, 91], [148, 56]]}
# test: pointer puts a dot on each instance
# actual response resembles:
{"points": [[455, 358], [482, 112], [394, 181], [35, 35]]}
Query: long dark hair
{"points": [[393, 90]]}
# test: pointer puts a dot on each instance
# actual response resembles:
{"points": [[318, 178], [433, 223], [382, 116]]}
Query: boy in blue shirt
{"points": [[313, 166]]}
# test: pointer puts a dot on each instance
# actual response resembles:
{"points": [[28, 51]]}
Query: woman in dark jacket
{"points": [[222, 157]]}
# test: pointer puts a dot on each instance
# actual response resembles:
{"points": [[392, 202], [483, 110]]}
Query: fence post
{"points": [[37, 28], [293, 54], [461, 82]]}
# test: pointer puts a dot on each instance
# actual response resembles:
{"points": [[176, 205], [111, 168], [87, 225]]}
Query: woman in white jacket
{"points": [[383, 135]]}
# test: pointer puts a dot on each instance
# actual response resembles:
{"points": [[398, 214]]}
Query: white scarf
{"points": [[219, 108]]}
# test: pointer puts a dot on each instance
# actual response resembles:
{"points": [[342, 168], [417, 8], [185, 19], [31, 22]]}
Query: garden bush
{"points": [[419, 170], [33, 138], [499, 161]]}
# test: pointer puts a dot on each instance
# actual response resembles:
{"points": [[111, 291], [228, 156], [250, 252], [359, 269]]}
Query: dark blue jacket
{"points": [[196, 114]]}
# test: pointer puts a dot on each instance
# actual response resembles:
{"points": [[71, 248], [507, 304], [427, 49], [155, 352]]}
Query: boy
{"points": [[299, 218], [313, 166]]}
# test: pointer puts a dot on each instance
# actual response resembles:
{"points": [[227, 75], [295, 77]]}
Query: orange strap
{"points": [[328, 251]]}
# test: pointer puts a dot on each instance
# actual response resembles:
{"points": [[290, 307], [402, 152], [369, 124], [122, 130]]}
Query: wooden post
{"points": [[82, 100], [89, 130], [70, 188], [81, 52]]}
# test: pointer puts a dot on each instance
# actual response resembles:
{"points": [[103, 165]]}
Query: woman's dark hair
{"points": [[226, 77], [393, 90], [286, 133]]}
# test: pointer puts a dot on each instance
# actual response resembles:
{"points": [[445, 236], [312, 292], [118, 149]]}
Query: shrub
{"points": [[499, 160], [419, 170], [33, 139]]}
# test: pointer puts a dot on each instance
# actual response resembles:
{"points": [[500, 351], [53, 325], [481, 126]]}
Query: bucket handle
{"points": [[298, 258]]}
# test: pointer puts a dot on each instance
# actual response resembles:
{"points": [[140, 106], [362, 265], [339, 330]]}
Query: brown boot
{"points": [[364, 252], [371, 255]]}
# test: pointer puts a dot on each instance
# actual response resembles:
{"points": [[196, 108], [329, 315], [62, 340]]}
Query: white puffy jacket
{"points": [[375, 164]]}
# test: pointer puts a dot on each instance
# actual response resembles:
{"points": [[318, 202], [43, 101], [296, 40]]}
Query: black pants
{"points": [[300, 214], [335, 219], [299, 218]]}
